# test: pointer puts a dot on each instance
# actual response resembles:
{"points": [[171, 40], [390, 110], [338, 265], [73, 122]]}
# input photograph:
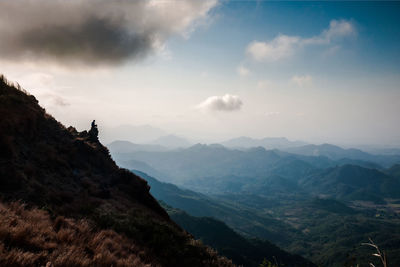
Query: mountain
{"points": [[353, 182], [244, 220], [267, 142], [394, 171], [214, 169], [328, 231], [172, 141], [70, 177], [243, 251], [129, 147], [204, 161], [203, 167], [328, 150], [213, 232], [338, 153], [380, 151]]}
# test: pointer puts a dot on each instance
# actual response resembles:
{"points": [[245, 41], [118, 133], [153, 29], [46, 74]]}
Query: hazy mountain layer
{"points": [[214, 169], [325, 230], [268, 142], [337, 153]]}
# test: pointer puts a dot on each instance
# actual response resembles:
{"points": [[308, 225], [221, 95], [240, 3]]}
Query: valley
{"points": [[314, 206]]}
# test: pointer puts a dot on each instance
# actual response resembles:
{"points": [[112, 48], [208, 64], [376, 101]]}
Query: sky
{"points": [[210, 70]]}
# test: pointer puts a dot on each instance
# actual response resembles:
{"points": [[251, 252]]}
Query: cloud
{"points": [[302, 81], [221, 103], [284, 46], [242, 71], [337, 30], [280, 47], [94, 32]]}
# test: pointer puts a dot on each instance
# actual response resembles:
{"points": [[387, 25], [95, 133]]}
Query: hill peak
{"points": [[70, 173]]}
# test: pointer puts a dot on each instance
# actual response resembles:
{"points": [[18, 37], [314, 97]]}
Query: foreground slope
{"points": [[30, 237], [67, 173]]}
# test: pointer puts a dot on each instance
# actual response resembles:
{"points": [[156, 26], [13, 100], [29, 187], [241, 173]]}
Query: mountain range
{"points": [[295, 221], [217, 169], [267, 142], [286, 198]]}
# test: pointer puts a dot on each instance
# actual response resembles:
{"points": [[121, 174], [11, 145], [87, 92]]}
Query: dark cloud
{"points": [[92, 32], [95, 41]]}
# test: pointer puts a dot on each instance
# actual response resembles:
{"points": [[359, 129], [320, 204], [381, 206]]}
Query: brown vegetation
{"points": [[28, 237]]}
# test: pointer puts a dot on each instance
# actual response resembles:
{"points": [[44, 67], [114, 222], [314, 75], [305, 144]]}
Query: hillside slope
{"points": [[244, 220], [243, 251], [351, 182], [69, 173]]}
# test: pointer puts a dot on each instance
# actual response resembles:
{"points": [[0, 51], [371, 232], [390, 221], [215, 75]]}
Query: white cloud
{"points": [[221, 103], [302, 81], [284, 46], [280, 47], [243, 71], [337, 29]]}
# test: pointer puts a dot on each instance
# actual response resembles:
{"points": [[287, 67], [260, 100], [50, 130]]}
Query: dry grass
{"points": [[28, 237], [379, 254]]}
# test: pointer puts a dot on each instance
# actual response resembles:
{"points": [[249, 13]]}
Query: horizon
{"points": [[318, 72], [114, 136]]}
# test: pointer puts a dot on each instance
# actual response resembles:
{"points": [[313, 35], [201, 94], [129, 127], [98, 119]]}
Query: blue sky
{"points": [[315, 71], [373, 49]]}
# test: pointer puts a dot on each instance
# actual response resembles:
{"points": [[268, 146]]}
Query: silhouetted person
{"points": [[94, 132]]}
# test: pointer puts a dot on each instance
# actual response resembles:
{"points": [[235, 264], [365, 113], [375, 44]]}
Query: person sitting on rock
{"points": [[94, 132]]}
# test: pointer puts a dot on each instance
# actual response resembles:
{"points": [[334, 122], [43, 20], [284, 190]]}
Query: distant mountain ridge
{"points": [[172, 141], [215, 169], [267, 142], [337, 153]]}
